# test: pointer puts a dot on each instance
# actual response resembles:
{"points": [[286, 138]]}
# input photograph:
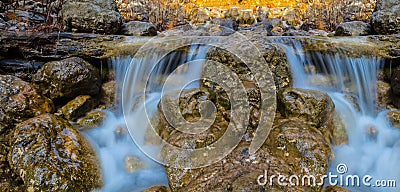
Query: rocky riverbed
{"points": [[55, 83]]}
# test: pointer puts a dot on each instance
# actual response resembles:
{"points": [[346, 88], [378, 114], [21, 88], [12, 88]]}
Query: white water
{"points": [[114, 148], [373, 145]]}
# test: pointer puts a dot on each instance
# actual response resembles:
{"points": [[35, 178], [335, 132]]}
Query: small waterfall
{"points": [[373, 146], [114, 145]]}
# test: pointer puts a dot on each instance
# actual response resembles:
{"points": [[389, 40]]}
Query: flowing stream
{"points": [[373, 147], [125, 167]]}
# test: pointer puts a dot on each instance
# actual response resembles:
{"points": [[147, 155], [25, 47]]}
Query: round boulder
{"points": [[353, 28], [312, 106], [386, 17], [48, 154], [91, 16], [68, 78], [138, 28], [19, 101]]}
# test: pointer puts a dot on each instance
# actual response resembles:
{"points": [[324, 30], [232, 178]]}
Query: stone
{"points": [[385, 19], [353, 28], [339, 135], [384, 94], [394, 118], [48, 154], [68, 78], [312, 106], [20, 68], [108, 93], [19, 101], [91, 16], [138, 28], [293, 147], [133, 163], [78, 107], [92, 119]]}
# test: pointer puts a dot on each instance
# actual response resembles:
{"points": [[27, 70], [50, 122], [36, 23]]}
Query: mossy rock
{"points": [[68, 78], [78, 107], [48, 154], [19, 100]]}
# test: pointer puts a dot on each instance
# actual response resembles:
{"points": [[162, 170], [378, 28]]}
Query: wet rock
{"points": [[277, 63], [19, 68], [49, 154], [386, 17], [313, 106], [108, 94], [292, 148], [157, 189], [353, 28], [68, 78], [91, 16], [78, 107], [189, 102], [394, 118], [339, 135], [92, 119], [133, 163], [19, 101], [384, 94], [138, 28], [298, 148]]}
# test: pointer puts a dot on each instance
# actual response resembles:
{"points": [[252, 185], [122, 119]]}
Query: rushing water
{"points": [[113, 143], [373, 146]]}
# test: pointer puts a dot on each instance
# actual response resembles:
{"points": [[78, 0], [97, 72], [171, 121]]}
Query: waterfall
{"points": [[373, 146], [112, 141]]}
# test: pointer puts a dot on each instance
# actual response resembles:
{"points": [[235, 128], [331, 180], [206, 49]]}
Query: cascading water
{"points": [[117, 151], [373, 147]]}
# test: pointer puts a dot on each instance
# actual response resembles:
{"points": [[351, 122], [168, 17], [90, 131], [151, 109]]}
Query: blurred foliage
{"points": [[324, 14], [48, 8]]}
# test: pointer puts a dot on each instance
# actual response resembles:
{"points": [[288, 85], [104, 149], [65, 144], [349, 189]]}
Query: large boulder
{"points": [[284, 153], [353, 28], [19, 101], [98, 16], [68, 78], [48, 154], [78, 107], [386, 17], [313, 106], [138, 28]]}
